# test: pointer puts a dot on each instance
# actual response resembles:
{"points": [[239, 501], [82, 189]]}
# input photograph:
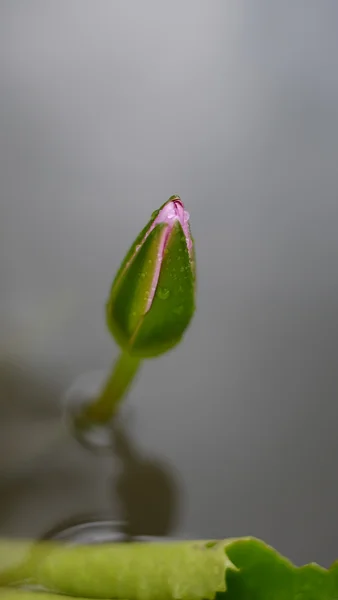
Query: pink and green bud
{"points": [[152, 299]]}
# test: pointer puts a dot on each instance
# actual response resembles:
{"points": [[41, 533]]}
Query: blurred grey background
{"points": [[106, 109]]}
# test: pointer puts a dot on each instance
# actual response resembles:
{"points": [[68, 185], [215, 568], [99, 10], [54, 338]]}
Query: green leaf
{"points": [[185, 570], [263, 574], [238, 569], [19, 594], [139, 571]]}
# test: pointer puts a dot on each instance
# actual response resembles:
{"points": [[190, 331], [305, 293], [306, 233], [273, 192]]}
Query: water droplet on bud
{"points": [[178, 309], [163, 293]]}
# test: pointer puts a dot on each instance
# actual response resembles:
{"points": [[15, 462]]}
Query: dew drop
{"points": [[143, 275], [133, 314], [150, 261], [163, 293], [178, 309], [182, 269]]}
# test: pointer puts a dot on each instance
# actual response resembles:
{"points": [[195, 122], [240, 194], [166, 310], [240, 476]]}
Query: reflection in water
{"points": [[46, 476], [146, 489], [147, 493], [96, 438], [148, 498]]}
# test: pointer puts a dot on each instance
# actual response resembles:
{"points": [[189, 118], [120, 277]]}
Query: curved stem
{"points": [[104, 408]]}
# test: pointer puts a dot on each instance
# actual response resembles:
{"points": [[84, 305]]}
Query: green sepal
{"points": [[174, 301], [129, 254], [129, 294]]}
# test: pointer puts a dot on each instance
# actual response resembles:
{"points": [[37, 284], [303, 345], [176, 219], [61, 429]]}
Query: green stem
{"points": [[104, 408]]}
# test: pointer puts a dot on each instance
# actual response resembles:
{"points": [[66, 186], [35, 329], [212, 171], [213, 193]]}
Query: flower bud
{"points": [[152, 299]]}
